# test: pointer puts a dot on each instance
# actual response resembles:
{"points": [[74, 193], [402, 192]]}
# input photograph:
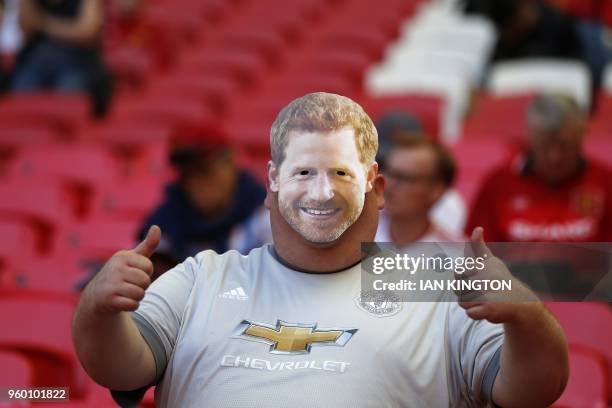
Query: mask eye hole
{"points": [[304, 173], [341, 173]]}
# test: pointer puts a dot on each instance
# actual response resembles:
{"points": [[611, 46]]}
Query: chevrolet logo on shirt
{"points": [[292, 338]]}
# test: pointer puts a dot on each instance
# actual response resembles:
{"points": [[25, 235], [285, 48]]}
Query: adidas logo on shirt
{"points": [[235, 294]]}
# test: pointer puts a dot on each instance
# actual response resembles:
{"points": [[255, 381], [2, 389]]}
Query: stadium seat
{"points": [[127, 201], [246, 68], [168, 111], [43, 207], [587, 325], [587, 383], [216, 91], [18, 240], [16, 135], [15, 370], [58, 276], [62, 112], [451, 88], [368, 42], [252, 137], [128, 133], [270, 45], [73, 163], [94, 240], [475, 159], [131, 67], [498, 117], [349, 64], [426, 108], [542, 75], [40, 329]]}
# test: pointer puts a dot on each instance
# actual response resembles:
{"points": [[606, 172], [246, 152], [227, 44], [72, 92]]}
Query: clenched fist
{"points": [[121, 283]]}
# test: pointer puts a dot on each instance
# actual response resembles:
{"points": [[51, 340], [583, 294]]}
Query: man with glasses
{"points": [[417, 172]]}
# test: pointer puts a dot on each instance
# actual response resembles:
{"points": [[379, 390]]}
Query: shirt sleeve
{"points": [[161, 310], [475, 351]]}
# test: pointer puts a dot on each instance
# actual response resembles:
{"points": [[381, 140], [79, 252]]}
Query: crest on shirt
{"points": [[587, 202], [379, 303], [292, 338], [520, 203]]}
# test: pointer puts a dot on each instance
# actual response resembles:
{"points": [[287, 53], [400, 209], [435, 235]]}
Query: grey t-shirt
{"points": [[247, 331]]}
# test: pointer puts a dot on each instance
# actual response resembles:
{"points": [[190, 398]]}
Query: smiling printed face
{"points": [[321, 183]]}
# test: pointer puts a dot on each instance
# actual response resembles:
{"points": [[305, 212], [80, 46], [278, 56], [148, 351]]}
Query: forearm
{"points": [[534, 360], [69, 32], [111, 349]]}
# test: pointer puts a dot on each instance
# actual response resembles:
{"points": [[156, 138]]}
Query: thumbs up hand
{"points": [[121, 283]]}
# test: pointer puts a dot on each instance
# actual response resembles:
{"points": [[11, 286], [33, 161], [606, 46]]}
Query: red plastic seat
{"points": [[346, 63], [15, 370], [475, 159], [126, 133], [130, 66], [80, 164], [270, 45], [216, 91], [167, 111], [427, 108], [499, 118], [587, 383], [62, 112], [368, 42], [16, 135], [588, 325], [246, 68], [127, 201], [252, 137], [92, 242], [41, 329], [60, 277], [17, 240], [41, 206]]}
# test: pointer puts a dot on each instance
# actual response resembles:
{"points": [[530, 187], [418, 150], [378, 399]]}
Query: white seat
{"points": [[542, 75], [452, 87], [469, 67]]}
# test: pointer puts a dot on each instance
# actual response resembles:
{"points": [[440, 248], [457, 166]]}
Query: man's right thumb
{"points": [[150, 243]]}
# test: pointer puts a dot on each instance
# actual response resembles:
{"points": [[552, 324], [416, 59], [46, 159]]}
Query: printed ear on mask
{"points": [[273, 177], [371, 177]]}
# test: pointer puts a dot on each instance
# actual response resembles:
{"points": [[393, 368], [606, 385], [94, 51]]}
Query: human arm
{"points": [[534, 358], [106, 339], [84, 30]]}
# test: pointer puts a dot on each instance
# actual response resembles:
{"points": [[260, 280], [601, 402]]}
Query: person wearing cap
{"points": [[552, 192], [210, 200]]}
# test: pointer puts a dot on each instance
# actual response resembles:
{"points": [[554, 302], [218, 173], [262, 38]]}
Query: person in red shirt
{"points": [[552, 193]]}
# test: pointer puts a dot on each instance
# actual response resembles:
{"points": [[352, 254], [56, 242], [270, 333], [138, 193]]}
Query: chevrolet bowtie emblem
{"points": [[292, 338]]}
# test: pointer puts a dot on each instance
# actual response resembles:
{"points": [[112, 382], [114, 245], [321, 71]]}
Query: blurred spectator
{"points": [[62, 49], [398, 127], [3, 73], [586, 9], [10, 39], [530, 28], [418, 172], [552, 193], [209, 202]]}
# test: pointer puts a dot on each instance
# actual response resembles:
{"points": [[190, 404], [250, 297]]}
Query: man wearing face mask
{"points": [[283, 326]]}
